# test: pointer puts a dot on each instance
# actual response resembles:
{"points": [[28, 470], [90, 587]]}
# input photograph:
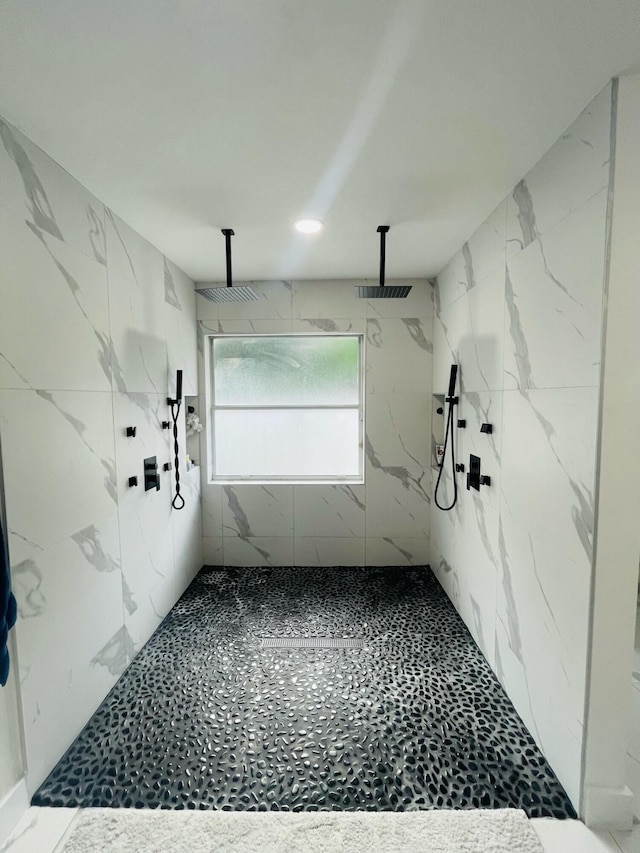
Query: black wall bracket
{"points": [[151, 476], [474, 478]]}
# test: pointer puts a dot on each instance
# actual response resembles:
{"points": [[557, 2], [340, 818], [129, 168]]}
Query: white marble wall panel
{"points": [[476, 541], [330, 522], [397, 551], [470, 332], [321, 300], [86, 316], [212, 551], [186, 522], [522, 318], [258, 551], [545, 544], [397, 501], [554, 292], [145, 516], [484, 252], [211, 503], [574, 169], [334, 511], [58, 462], [137, 310], [318, 325], [397, 428], [328, 551], [60, 690], [41, 192], [55, 302], [452, 282], [254, 510], [181, 325], [399, 356]]}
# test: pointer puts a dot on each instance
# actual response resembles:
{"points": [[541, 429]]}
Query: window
{"points": [[287, 407]]}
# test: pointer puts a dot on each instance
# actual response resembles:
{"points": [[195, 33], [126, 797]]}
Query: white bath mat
{"points": [[156, 831]]}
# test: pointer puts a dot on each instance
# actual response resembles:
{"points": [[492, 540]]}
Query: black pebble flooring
{"points": [[207, 718]]}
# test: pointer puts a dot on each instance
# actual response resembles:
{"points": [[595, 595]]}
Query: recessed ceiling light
{"points": [[308, 226]]}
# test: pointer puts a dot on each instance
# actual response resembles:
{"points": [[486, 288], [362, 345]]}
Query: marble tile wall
{"points": [[519, 307], [94, 322], [385, 521]]}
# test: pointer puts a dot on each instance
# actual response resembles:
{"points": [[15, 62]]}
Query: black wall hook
{"points": [[131, 432]]}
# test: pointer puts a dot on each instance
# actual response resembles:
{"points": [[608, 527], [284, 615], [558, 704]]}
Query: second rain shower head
{"points": [[239, 293], [382, 291]]}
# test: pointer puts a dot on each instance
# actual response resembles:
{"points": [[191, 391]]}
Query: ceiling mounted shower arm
{"points": [[382, 231], [228, 234]]}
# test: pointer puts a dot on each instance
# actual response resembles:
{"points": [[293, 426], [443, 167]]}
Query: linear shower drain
{"points": [[312, 642]]}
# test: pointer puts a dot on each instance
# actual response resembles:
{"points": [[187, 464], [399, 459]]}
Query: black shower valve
{"points": [[131, 432], [440, 410], [487, 428], [462, 423], [459, 467], [133, 481], [166, 425]]}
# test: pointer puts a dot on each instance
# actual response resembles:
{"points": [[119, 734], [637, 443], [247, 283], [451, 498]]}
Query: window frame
{"points": [[316, 479]]}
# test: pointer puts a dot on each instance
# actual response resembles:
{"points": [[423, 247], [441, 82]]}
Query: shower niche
{"points": [[438, 423], [193, 428]]}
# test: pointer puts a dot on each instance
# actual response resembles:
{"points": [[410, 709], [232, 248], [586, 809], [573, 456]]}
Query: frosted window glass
{"points": [[286, 371], [287, 443]]}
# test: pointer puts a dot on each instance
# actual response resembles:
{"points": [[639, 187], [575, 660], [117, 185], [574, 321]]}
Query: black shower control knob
{"points": [[459, 467], [131, 432], [462, 424], [133, 481], [167, 466], [165, 424], [440, 410], [487, 428]]}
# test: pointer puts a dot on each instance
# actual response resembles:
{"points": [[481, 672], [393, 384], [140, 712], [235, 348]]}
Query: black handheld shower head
{"points": [[452, 379]]}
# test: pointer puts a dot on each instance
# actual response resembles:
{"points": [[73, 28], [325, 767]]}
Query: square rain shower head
{"points": [[385, 291], [237, 293]]}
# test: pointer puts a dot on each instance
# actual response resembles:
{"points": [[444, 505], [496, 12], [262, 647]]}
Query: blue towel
{"points": [[7, 610]]}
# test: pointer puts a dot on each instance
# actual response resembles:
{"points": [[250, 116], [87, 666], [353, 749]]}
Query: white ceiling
{"points": [[186, 116]]}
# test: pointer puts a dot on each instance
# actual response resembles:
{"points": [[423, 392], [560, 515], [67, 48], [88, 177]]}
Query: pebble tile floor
{"points": [[207, 717]]}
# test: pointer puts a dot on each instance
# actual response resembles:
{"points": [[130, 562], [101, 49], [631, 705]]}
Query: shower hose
{"points": [[451, 400]]}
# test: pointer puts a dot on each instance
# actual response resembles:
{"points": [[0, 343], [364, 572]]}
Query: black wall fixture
{"points": [[131, 432], [133, 481], [475, 478], [175, 404], [450, 400], [393, 291], [239, 293], [487, 428], [151, 476]]}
